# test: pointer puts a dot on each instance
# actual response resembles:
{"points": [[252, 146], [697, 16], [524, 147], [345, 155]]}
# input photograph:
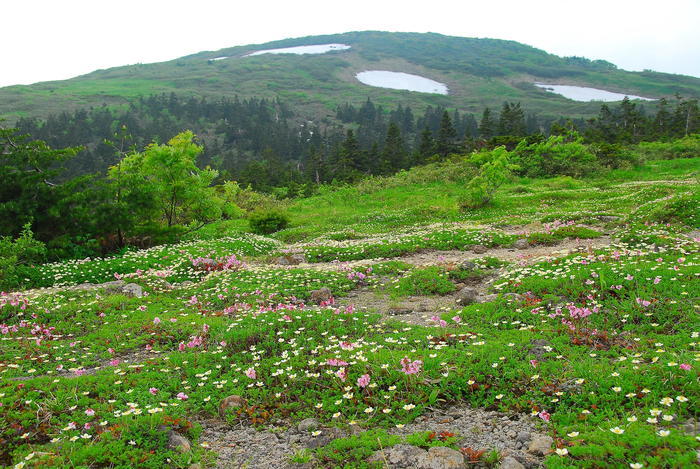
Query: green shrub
{"points": [[268, 222], [427, 281], [558, 155], [686, 147], [17, 257], [495, 170]]}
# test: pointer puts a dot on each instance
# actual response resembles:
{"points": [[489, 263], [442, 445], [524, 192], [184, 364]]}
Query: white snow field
{"points": [[582, 93], [401, 81], [315, 49]]}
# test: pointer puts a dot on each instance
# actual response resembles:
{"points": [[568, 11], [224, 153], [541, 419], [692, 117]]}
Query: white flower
{"points": [[562, 451], [617, 430]]}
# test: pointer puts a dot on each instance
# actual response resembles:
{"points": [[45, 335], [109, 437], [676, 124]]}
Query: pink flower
{"points": [[222, 343], [629, 277], [156, 321], [114, 362], [534, 363], [410, 367], [456, 319], [153, 391], [363, 381], [89, 412], [342, 374], [142, 308], [250, 373], [544, 415], [685, 366], [182, 396]]}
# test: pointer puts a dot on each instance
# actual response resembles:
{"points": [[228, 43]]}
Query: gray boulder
{"points": [[308, 425], [521, 244], [479, 249], [399, 456], [132, 290], [467, 296], [510, 462], [320, 295], [540, 445], [440, 457], [178, 442]]}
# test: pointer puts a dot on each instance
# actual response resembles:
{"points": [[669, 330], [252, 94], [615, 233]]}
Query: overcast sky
{"points": [[57, 39]]}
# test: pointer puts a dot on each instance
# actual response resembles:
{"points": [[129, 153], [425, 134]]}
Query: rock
{"points": [[440, 457], [398, 310], [523, 437], [479, 249], [132, 290], [399, 456], [112, 288], [510, 462], [460, 285], [178, 442], [195, 466], [290, 259], [85, 286], [608, 218], [308, 425], [691, 426], [467, 296], [320, 295], [467, 265], [488, 298], [540, 445], [522, 244], [230, 402]]}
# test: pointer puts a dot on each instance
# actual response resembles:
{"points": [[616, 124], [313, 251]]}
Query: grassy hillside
{"points": [[478, 72]]}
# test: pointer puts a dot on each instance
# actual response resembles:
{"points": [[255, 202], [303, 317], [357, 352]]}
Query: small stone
{"points": [[608, 218], [523, 437], [540, 445], [308, 425], [510, 462], [467, 265], [398, 310], [178, 442], [230, 402], [195, 466], [467, 296], [132, 290], [521, 244], [320, 295], [440, 457], [479, 249]]}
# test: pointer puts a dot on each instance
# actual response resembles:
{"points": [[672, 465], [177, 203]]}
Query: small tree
{"points": [[167, 181], [494, 171]]}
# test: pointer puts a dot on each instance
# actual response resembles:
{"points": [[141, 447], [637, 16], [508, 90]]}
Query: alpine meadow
{"points": [[361, 250]]}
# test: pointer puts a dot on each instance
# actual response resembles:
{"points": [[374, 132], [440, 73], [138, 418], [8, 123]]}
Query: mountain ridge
{"points": [[479, 72]]}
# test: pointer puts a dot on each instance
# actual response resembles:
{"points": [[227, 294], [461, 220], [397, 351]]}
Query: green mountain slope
{"points": [[478, 73]]}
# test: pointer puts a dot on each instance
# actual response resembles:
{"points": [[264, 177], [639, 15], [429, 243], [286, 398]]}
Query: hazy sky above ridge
{"points": [[53, 39]]}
